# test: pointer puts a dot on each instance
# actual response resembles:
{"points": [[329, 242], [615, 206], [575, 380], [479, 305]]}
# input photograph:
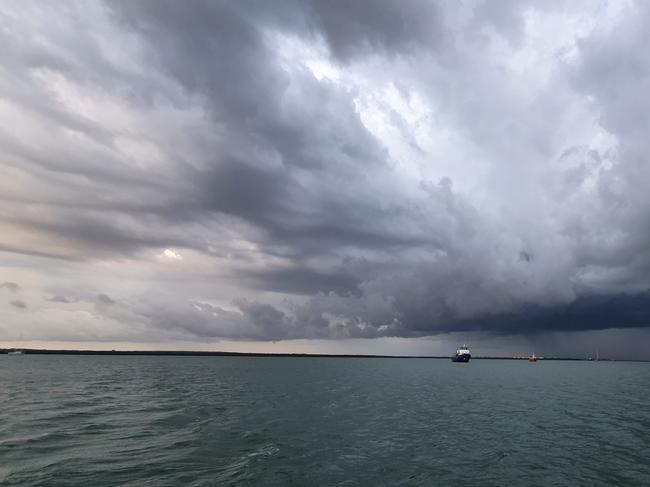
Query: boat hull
{"points": [[464, 358]]}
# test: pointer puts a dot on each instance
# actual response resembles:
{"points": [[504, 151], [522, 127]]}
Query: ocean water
{"points": [[202, 421]]}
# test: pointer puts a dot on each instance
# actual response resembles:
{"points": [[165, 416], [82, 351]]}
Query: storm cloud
{"points": [[257, 171]]}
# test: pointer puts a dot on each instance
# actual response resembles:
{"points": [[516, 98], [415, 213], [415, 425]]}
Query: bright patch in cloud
{"points": [[171, 254]]}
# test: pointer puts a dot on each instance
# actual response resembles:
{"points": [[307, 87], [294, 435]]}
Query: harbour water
{"points": [[202, 421]]}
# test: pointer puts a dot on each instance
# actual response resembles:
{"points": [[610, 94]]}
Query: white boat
{"points": [[462, 355], [15, 352]]}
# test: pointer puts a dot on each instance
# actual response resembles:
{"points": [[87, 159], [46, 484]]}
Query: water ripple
{"points": [[204, 421]]}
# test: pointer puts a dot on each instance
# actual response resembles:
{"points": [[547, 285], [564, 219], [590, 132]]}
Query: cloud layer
{"points": [[323, 170]]}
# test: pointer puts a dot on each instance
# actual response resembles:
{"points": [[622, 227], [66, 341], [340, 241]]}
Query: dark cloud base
{"points": [[583, 314]]}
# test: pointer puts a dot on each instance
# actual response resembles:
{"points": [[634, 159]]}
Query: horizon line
{"points": [[48, 351]]}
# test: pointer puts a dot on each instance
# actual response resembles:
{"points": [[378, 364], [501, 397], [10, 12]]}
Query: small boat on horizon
{"points": [[532, 358], [15, 352], [462, 355]]}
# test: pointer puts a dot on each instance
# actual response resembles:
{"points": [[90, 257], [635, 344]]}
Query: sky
{"points": [[373, 176]]}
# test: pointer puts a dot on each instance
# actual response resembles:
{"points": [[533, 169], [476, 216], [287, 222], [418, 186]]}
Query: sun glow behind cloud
{"points": [[170, 254]]}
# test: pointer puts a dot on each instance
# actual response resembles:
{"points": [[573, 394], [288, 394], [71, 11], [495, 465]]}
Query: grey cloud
{"points": [[104, 300], [253, 193], [297, 209], [370, 27], [612, 70], [11, 286], [249, 320], [614, 74], [335, 316], [248, 104], [98, 236], [301, 280], [273, 322], [62, 299], [17, 303]]}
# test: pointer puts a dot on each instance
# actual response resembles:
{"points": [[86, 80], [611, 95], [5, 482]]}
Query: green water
{"points": [[199, 421]]}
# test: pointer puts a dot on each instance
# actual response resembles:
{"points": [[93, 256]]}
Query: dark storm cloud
{"points": [[277, 172], [256, 194], [585, 313], [301, 280], [307, 124], [334, 316], [224, 59], [370, 27]]}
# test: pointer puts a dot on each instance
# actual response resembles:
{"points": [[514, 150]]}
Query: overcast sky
{"points": [[368, 176]]}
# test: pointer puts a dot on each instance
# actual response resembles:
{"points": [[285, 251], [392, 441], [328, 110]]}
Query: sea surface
{"points": [[202, 421]]}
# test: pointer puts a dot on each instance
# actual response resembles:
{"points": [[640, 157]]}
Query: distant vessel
{"points": [[462, 355], [532, 358], [15, 352]]}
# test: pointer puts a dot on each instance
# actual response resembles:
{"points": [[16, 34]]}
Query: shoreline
{"points": [[196, 353]]}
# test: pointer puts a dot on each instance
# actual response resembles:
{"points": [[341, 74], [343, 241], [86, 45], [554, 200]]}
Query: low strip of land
{"points": [[201, 353]]}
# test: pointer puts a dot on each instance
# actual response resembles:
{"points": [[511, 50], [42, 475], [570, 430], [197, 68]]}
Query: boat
{"points": [[532, 358], [462, 355], [15, 352]]}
